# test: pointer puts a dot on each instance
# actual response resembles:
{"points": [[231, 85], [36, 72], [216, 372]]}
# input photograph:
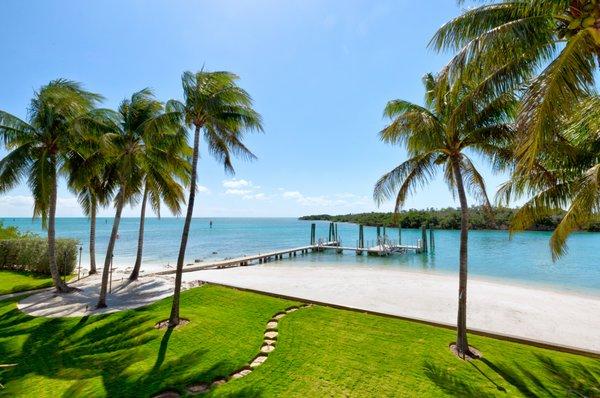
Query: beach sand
{"points": [[543, 315]]}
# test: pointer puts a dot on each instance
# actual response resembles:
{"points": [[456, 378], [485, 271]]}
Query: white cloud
{"points": [[22, 206], [256, 196], [337, 200], [234, 183], [202, 188], [244, 188]]}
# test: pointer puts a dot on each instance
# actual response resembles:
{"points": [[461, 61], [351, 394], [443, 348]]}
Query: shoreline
{"points": [[526, 284], [555, 318]]}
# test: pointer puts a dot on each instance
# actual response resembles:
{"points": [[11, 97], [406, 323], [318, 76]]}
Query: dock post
{"points": [[399, 235], [330, 232], [384, 231], [424, 237], [431, 240], [337, 237], [361, 236], [378, 232], [313, 234]]}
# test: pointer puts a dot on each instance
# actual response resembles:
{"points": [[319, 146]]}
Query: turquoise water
{"points": [[525, 258]]}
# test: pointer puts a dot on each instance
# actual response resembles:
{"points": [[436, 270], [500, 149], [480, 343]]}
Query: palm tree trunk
{"points": [[138, 259], [110, 249], [61, 287], [174, 317], [93, 238], [462, 345]]}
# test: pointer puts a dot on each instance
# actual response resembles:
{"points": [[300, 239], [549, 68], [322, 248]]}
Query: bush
{"points": [[31, 254]]}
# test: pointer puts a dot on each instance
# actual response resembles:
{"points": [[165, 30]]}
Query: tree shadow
{"points": [[557, 379], [451, 384], [546, 378]]}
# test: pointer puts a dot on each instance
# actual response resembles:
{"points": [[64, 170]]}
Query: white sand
{"points": [[144, 291], [531, 313]]}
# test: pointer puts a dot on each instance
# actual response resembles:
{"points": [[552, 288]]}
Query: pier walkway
{"points": [[261, 258]]}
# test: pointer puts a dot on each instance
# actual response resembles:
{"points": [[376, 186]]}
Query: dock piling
{"points": [[431, 240], [424, 237]]}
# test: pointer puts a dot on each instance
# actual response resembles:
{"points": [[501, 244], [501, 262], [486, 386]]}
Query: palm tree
{"points": [[89, 176], [164, 164], [216, 106], [39, 148], [438, 135], [137, 133], [560, 39], [565, 175]]}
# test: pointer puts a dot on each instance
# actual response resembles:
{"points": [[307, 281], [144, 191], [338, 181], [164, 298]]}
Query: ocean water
{"points": [[524, 259]]}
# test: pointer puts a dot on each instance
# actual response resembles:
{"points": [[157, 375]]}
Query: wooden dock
{"points": [[262, 258], [259, 258]]}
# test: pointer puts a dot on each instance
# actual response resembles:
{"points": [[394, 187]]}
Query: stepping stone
{"points": [[198, 388], [267, 349], [272, 325], [279, 316], [270, 341], [259, 360], [217, 383], [168, 394], [241, 374], [271, 335], [291, 309]]}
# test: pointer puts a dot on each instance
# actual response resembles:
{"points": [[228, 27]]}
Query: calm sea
{"points": [[523, 259]]}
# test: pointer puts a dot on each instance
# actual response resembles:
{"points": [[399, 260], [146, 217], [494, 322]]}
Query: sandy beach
{"points": [[543, 315]]}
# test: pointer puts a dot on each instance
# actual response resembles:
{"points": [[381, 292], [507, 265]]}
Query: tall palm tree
{"points": [[38, 149], [165, 167], [216, 106], [556, 40], [134, 131], [437, 136], [565, 176], [90, 176]]}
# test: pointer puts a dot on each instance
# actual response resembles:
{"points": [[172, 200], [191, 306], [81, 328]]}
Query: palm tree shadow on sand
{"points": [[556, 379]]}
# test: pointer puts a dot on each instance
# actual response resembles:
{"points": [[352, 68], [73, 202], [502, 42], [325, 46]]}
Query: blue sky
{"points": [[320, 73]]}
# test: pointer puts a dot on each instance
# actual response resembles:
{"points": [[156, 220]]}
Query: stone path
{"points": [[268, 346]]}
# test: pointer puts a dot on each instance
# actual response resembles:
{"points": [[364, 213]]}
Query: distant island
{"points": [[447, 218]]}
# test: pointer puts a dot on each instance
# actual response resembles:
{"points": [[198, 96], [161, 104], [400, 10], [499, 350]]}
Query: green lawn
{"points": [[320, 352], [17, 281]]}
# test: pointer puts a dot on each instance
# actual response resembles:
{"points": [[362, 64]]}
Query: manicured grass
{"points": [[17, 281], [320, 352]]}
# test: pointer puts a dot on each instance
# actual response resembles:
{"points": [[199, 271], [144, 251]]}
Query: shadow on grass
{"points": [[115, 355], [114, 349], [544, 377]]}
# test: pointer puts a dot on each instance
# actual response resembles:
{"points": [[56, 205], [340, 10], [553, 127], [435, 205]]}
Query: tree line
{"points": [[480, 218]]}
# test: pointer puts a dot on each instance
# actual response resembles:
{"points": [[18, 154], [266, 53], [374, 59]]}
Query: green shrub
{"points": [[31, 254]]}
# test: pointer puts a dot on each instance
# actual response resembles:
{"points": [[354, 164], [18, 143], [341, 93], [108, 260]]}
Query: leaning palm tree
{"points": [[216, 106], [89, 176], [137, 126], [558, 40], [437, 136], [39, 148], [165, 166], [565, 175]]}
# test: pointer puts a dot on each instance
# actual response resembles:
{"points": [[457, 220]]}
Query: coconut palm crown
{"points": [[437, 137], [565, 175], [556, 42]]}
